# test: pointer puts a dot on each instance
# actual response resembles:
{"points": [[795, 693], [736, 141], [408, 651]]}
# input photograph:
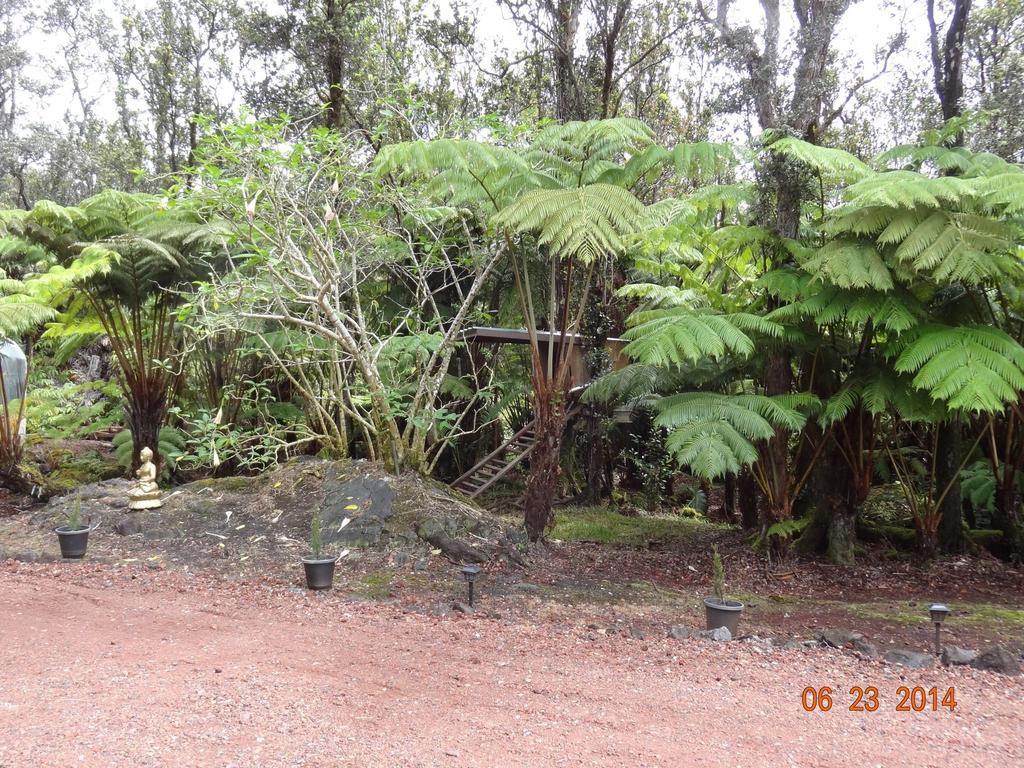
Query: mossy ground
{"points": [[376, 585], [604, 525]]}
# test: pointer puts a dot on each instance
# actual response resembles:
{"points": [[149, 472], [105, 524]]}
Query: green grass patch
{"points": [[603, 525], [605, 592], [982, 613]]}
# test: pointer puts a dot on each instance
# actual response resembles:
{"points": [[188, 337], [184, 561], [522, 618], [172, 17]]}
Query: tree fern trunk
{"points": [[594, 451], [842, 536], [729, 497], [749, 495], [542, 482], [947, 459], [146, 413], [1006, 518], [778, 380]]}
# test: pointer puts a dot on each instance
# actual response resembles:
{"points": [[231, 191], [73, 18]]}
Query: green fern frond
{"points": [[825, 160], [648, 164], [907, 189], [850, 265], [978, 485], [586, 222], [704, 160], [629, 383], [20, 314], [878, 390], [673, 336], [958, 247], [972, 368], [914, 156], [713, 434], [595, 139], [719, 197], [1005, 191], [654, 295]]}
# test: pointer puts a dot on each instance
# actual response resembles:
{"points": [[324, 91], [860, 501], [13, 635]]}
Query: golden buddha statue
{"points": [[146, 494]]}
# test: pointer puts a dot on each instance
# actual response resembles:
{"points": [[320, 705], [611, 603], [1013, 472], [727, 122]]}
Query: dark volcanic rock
{"points": [[128, 527], [837, 638], [365, 501], [248, 523], [997, 659], [909, 658], [679, 632]]}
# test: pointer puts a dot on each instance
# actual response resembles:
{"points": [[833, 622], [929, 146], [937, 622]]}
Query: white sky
{"points": [[866, 27]]}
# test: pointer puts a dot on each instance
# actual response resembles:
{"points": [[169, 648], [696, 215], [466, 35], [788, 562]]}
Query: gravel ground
{"points": [[101, 666]]}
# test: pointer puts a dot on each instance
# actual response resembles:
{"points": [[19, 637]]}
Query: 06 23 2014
{"points": [[868, 699]]}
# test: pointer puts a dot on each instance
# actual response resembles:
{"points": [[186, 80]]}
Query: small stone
{"points": [[908, 658], [679, 632], [954, 656], [400, 559], [718, 634], [838, 638], [997, 659], [798, 645], [636, 633], [420, 565]]}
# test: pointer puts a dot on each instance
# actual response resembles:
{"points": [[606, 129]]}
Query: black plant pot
{"points": [[73, 541], [319, 571], [722, 613]]}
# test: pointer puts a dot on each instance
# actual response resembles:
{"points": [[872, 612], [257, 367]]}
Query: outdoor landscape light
{"points": [[470, 572], [938, 612]]}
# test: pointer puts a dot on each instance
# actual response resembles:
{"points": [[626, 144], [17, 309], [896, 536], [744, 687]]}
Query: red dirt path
{"points": [[117, 667]]}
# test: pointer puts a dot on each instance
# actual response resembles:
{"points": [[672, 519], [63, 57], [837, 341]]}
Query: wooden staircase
{"points": [[497, 463], [500, 461]]}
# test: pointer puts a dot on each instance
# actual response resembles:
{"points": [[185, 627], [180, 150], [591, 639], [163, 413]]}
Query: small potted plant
{"points": [[319, 567], [718, 610], [73, 536]]}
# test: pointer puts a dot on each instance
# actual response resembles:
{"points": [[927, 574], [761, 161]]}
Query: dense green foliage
{"points": [[727, 268]]}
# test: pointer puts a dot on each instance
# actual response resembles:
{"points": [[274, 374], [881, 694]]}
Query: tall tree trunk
{"points": [[948, 57], [334, 64], [565, 24]]}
